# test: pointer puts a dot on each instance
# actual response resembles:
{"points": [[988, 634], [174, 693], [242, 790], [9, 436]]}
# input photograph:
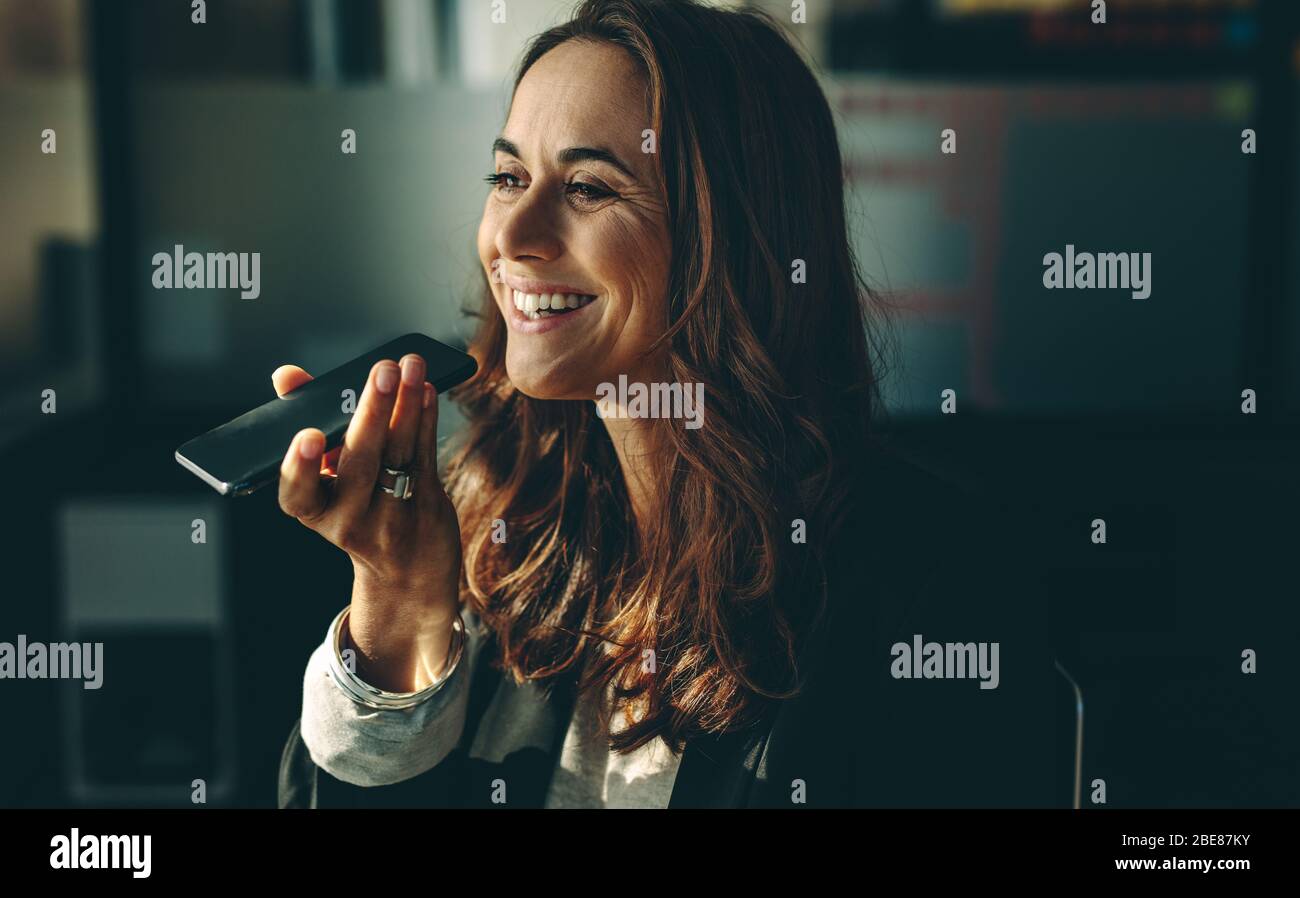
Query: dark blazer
{"points": [[917, 555]]}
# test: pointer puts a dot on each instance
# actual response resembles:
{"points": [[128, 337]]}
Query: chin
{"points": [[530, 387], [539, 379]]}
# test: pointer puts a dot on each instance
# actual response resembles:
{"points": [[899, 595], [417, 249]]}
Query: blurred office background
{"points": [[226, 137]]}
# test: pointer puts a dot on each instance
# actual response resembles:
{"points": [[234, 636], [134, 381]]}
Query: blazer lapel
{"points": [[718, 771], [516, 738]]}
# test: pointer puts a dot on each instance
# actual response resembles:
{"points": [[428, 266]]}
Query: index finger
{"points": [[367, 432]]}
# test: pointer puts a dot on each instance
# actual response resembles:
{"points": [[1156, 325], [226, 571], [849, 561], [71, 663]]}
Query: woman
{"points": [[607, 608]]}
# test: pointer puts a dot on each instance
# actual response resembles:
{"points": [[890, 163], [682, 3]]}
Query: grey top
{"points": [[369, 747]]}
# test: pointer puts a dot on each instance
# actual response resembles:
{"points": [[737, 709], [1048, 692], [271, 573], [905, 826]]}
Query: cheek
{"points": [[646, 288], [633, 257]]}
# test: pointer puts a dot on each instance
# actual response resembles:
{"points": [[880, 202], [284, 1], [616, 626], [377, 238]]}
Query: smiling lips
{"points": [[546, 305]]}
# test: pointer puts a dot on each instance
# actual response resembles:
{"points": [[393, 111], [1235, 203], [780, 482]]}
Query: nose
{"points": [[528, 229]]}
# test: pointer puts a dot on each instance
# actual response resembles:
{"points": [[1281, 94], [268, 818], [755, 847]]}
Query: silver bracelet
{"points": [[362, 692]]}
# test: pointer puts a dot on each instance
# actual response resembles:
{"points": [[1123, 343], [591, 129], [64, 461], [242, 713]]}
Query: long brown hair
{"points": [[715, 585]]}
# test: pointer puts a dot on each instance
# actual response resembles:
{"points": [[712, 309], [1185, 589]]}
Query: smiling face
{"points": [[577, 212]]}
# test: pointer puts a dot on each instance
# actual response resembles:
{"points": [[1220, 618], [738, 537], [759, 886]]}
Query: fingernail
{"points": [[428, 393], [386, 379], [310, 445], [411, 372]]}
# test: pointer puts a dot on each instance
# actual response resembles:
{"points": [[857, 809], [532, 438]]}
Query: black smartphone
{"points": [[243, 455]]}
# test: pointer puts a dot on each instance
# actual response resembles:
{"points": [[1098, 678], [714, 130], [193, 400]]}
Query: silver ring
{"points": [[403, 485]]}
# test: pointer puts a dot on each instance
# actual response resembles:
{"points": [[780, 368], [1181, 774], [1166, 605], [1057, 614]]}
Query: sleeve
{"points": [[365, 746]]}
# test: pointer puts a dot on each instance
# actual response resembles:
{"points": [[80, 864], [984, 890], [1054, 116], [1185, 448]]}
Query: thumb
{"points": [[288, 378]]}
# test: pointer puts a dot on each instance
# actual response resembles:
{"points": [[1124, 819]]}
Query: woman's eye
{"points": [[587, 193], [584, 194], [502, 179]]}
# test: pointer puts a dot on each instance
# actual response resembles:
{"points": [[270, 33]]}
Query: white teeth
{"points": [[540, 305]]}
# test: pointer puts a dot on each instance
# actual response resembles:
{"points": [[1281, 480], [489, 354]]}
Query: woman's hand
{"points": [[405, 553]]}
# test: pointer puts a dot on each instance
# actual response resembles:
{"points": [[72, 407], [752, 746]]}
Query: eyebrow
{"points": [[572, 154]]}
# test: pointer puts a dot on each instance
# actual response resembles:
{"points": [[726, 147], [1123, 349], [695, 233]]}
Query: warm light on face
{"points": [[574, 237]]}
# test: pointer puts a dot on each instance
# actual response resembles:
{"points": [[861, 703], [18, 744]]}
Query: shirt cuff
{"points": [[367, 746]]}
